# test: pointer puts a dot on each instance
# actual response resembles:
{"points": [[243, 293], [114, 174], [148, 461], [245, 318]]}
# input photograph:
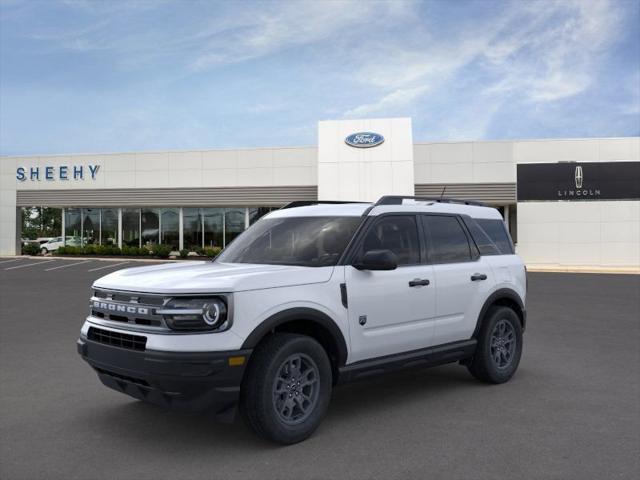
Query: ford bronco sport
{"points": [[312, 295]]}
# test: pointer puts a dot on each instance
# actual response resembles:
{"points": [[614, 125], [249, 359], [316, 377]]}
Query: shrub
{"points": [[212, 252], [183, 253], [162, 251], [112, 250], [68, 250], [89, 250], [31, 249]]}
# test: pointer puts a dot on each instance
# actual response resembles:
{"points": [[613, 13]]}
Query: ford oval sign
{"points": [[364, 139]]}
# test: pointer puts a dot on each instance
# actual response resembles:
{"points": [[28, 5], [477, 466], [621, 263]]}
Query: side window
{"points": [[497, 231], [398, 234], [447, 241], [485, 245]]}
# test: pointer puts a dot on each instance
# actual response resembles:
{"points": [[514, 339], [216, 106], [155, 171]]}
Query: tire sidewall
{"points": [[496, 374], [295, 433]]}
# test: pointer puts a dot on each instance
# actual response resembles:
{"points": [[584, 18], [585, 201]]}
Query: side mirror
{"points": [[377, 260]]}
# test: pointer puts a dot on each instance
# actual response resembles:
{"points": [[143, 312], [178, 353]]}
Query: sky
{"points": [[83, 76]]}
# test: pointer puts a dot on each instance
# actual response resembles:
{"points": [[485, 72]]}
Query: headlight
{"points": [[196, 314]]}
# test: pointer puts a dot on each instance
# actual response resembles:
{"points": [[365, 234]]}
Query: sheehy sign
{"points": [[60, 172], [577, 181]]}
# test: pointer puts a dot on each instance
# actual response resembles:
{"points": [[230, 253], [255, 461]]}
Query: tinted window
{"points": [[497, 232], [398, 234], [303, 241], [447, 241], [483, 242]]}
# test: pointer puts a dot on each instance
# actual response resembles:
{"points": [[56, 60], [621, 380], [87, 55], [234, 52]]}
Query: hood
{"points": [[209, 277]]}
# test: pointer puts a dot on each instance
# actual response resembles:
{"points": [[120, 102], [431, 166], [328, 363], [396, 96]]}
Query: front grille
{"points": [[117, 339], [131, 308]]}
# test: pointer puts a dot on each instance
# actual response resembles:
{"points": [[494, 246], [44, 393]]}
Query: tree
{"points": [[41, 222]]}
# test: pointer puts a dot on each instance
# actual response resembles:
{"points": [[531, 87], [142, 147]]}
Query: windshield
{"points": [[303, 241]]}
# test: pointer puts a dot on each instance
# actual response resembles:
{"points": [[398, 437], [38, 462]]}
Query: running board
{"points": [[425, 357]]}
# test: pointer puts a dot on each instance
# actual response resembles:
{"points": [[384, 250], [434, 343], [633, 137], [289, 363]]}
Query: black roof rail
{"points": [[307, 203], [397, 200]]}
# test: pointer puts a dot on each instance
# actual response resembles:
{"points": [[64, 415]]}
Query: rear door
{"points": [[462, 277], [391, 311]]}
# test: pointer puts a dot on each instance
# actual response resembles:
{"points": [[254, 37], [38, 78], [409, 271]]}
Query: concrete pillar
{"points": [[10, 215]]}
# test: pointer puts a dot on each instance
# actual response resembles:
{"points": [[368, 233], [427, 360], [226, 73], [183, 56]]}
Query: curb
{"points": [[100, 259], [577, 269]]}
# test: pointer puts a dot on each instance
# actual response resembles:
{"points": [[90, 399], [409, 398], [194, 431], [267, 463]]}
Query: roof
{"points": [[358, 209]]}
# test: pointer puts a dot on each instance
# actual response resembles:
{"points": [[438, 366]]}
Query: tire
{"points": [[496, 358], [275, 409], [44, 251]]}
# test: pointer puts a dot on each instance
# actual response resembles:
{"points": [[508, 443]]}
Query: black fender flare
{"points": [[501, 294], [300, 314]]}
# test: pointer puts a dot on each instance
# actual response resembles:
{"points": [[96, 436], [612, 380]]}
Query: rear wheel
{"points": [[499, 346], [286, 390]]}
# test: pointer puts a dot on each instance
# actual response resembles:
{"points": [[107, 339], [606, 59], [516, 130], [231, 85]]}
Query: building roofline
{"points": [[519, 140], [302, 147]]}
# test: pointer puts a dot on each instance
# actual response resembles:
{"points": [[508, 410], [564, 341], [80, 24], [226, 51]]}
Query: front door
{"points": [[391, 311]]}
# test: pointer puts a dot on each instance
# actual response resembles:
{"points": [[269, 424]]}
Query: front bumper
{"points": [[193, 381]]}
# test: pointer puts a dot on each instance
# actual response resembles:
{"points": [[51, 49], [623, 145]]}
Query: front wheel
{"points": [[286, 390], [499, 346], [44, 251]]}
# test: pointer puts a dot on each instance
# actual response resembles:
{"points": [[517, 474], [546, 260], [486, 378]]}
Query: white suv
{"points": [[310, 296]]}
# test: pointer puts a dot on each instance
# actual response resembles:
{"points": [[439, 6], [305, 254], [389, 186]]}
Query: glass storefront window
{"points": [[234, 221], [72, 227], [131, 227], [256, 212], [192, 228], [170, 227], [90, 226], [150, 226], [109, 226], [213, 227]]}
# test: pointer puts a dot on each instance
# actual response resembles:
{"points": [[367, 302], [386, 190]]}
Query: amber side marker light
{"points": [[236, 361]]}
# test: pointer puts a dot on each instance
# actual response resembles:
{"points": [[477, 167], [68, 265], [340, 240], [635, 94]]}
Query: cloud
{"points": [[288, 25], [537, 51], [396, 99]]}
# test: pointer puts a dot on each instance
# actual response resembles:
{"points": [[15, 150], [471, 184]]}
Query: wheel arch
{"points": [[502, 297], [306, 321]]}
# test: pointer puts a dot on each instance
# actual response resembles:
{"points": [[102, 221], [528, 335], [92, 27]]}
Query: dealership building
{"points": [[566, 202]]}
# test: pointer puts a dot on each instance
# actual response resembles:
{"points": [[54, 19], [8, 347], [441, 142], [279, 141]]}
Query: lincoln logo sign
{"points": [[579, 177], [579, 191], [61, 172], [574, 182], [364, 139]]}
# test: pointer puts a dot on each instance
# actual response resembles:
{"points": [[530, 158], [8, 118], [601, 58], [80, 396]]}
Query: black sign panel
{"points": [[579, 181]]}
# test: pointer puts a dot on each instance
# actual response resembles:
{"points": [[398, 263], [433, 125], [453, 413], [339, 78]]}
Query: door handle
{"points": [[418, 282], [478, 276]]}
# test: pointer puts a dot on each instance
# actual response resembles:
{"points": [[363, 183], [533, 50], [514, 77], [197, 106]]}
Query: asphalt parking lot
{"points": [[571, 411]]}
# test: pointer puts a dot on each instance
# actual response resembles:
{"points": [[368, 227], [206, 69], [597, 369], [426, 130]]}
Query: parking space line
{"points": [[30, 264], [65, 266], [107, 266], [9, 261]]}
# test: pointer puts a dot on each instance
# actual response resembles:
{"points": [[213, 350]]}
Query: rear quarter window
{"points": [[496, 230]]}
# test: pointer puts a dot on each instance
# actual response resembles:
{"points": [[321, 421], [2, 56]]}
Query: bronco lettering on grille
{"points": [[117, 307]]}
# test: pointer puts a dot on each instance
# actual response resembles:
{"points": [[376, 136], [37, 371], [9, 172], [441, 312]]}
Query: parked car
{"points": [[309, 297], [55, 243]]}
